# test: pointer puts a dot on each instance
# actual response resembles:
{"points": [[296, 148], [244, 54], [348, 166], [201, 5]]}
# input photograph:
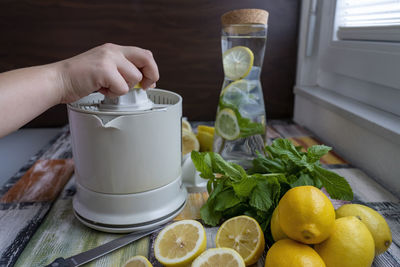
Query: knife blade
{"points": [[102, 250]]}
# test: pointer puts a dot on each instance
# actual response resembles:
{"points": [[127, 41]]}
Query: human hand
{"points": [[110, 69]]}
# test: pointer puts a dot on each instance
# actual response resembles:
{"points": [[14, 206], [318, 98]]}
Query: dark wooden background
{"points": [[184, 36]]}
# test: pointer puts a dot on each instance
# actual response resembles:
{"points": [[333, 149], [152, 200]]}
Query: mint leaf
{"points": [[315, 152], [225, 200], [250, 128], [285, 147], [216, 190], [239, 209], [262, 164], [336, 186], [261, 197], [304, 179], [203, 164], [234, 171], [265, 194], [285, 150], [244, 187], [208, 212], [209, 215]]}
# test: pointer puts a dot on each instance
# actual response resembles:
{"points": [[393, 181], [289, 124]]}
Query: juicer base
{"points": [[128, 228], [123, 213]]}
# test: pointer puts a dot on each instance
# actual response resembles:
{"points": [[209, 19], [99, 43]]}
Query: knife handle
{"points": [[60, 262]]}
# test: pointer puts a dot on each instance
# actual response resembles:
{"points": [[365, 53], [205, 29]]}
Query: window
{"points": [[371, 20], [348, 80]]}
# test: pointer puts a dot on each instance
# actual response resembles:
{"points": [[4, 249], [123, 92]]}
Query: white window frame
{"points": [[343, 85]]}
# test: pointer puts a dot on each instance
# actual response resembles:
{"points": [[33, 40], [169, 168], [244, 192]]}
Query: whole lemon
{"points": [[350, 245], [276, 230], [375, 223], [289, 253], [306, 214]]}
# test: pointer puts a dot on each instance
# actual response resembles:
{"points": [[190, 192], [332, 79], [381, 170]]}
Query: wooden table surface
{"points": [[37, 224]]}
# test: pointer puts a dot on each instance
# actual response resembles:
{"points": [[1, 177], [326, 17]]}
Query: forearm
{"points": [[110, 69], [26, 93]]}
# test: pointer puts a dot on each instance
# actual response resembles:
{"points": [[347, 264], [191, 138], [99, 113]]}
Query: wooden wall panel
{"points": [[183, 35]]}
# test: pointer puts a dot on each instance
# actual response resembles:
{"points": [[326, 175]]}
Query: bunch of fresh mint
{"points": [[256, 193]]}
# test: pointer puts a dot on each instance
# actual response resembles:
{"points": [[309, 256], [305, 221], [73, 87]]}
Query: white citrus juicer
{"points": [[127, 154]]}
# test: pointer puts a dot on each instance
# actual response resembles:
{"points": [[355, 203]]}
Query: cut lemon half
{"points": [[180, 243], [186, 125], [189, 142], [206, 141], [243, 234], [226, 124], [237, 62], [219, 257], [205, 135], [138, 261], [205, 128]]}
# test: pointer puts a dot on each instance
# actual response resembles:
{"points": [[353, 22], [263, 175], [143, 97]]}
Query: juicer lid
{"points": [[134, 102]]}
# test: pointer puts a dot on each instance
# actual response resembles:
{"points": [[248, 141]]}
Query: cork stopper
{"points": [[245, 16]]}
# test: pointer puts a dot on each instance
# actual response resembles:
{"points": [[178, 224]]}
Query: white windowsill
{"points": [[365, 136], [382, 123]]}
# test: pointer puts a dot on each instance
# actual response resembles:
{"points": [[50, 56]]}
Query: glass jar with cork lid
{"points": [[240, 125]]}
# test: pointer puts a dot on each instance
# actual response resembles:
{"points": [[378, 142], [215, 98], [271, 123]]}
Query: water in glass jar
{"points": [[245, 98]]}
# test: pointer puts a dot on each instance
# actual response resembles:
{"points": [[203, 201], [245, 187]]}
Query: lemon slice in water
{"points": [[237, 62], [239, 87], [227, 125]]}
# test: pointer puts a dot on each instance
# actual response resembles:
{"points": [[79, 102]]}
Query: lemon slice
{"points": [[219, 257], [205, 135], [186, 125], [180, 243], [227, 125], [239, 87], [243, 234], [189, 142], [138, 261], [237, 62]]}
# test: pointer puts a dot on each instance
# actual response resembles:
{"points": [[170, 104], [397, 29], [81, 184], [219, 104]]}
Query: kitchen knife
{"points": [[102, 250]]}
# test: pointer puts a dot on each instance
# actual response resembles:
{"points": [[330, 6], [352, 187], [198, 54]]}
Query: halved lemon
{"points": [[138, 261], [226, 124], [205, 135], [237, 62], [214, 257], [243, 234], [180, 243], [186, 125], [189, 142], [205, 128]]}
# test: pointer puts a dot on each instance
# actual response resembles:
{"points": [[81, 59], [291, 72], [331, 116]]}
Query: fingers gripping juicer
{"points": [[127, 153]]}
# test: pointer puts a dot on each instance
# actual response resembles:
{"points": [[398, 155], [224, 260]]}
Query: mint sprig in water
{"points": [[247, 127], [257, 192]]}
